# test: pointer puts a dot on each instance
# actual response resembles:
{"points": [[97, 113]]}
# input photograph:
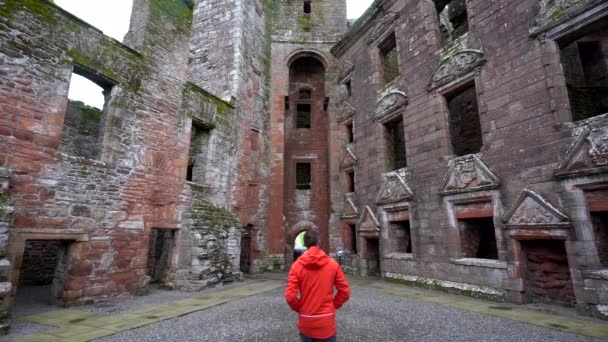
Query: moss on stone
{"points": [[40, 8], [305, 22], [212, 216], [177, 10]]}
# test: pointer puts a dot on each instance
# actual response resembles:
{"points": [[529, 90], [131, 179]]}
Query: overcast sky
{"points": [[112, 17]]}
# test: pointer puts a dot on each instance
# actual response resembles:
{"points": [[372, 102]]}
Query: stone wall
{"points": [[104, 203], [528, 141]]}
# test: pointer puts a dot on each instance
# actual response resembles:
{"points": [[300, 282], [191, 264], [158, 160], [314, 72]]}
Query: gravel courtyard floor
{"points": [[254, 310]]}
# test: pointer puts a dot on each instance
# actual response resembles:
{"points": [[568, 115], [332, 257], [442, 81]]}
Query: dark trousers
{"points": [[310, 339]]}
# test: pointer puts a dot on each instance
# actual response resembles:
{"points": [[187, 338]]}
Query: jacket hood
{"points": [[314, 258]]}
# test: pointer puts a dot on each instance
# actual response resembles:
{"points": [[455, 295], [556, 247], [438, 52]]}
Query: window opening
{"points": [[198, 157], [303, 117], [286, 103], [84, 119], [585, 65], [350, 177], [402, 236], [307, 7], [599, 219], [353, 232], [478, 238], [389, 59], [350, 133], [349, 88], [396, 145], [453, 19], [465, 127], [305, 94], [303, 176]]}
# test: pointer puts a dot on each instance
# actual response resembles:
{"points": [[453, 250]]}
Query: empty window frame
{"points": [[307, 6], [85, 114], [465, 126], [585, 65], [453, 19], [478, 238], [402, 236], [599, 219], [303, 115], [350, 181], [303, 176], [349, 88], [198, 157], [350, 133], [395, 144], [389, 59]]}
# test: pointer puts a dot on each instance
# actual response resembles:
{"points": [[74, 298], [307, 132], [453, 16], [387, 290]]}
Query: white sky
{"points": [[112, 17]]}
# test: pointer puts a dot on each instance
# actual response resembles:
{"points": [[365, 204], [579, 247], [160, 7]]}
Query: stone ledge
{"points": [[480, 262], [599, 274], [476, 291], [400, 256]]}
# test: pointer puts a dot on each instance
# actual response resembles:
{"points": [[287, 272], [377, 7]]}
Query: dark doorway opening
{"points": [[246, 237], [548, 273], [600, 231], [43, 272], [159, 254], [373, 257]]}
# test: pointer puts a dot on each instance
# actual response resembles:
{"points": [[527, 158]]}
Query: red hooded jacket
{"points": [[315, 275]]}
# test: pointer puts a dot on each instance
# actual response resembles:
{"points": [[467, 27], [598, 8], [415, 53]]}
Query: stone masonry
{"points": [[450, 144]]}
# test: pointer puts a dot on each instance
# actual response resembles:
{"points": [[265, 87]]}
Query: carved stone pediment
{"points": [[530, 209], [588, 155], [553, 12], [351, 209], [468, 173], [345, 70], [390, 106], [455, 67], [345, 111], [368, 221], [381, 26], [394, 189], [349, 159]]}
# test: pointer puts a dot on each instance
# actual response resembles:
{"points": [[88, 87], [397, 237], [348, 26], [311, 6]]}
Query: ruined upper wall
{"points": [[326, 21]]}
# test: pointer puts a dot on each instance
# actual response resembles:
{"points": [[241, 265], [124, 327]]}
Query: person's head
{"points": [[311, 238]]}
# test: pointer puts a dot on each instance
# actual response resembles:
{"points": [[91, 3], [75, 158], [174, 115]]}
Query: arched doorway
{"points": [[246, 246]]}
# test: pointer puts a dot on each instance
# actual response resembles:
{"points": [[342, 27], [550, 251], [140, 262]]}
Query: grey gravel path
{"points": [[368, 316]]}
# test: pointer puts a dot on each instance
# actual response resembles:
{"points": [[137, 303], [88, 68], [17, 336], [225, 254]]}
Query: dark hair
{"points": [[311, 238]]}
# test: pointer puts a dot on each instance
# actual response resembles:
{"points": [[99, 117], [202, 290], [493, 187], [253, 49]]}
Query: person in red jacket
{"points": [[314, 275]]}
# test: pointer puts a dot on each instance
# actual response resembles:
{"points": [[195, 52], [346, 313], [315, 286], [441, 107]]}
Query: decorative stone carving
{"points": [[468, 173], [381, 26], [368, 221], [350, 206], [349, 159], [345, 70], [531, 209], [393, 189], [389, 106], [588, 155], [554, 11], [458, 65], [345, 111]]}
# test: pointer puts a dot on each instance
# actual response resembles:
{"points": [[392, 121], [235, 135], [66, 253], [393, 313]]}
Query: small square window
{"points": [[303, 176], [307, 6]]}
